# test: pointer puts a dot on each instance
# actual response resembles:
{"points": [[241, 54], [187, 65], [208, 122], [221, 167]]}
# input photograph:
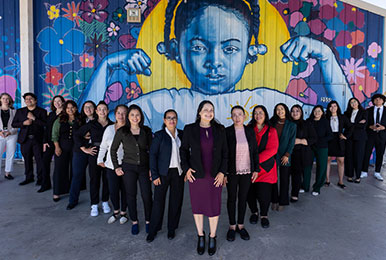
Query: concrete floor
{"points": [[338, 224]]}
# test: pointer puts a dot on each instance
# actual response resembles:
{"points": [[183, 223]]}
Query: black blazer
{"points": [[303, 153], [252, 143], [161, 153], [345, 128], [190, 150], [37, 125], [359, 129], [370, 117]]}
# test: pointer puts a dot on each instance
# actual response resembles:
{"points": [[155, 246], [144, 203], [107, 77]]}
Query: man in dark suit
{"points": [[376, 135], [31, 121]]}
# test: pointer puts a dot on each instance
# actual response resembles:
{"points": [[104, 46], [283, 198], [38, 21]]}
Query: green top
{"points": [[56, 130]]}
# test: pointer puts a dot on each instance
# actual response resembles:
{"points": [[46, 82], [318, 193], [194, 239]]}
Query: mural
{"points": [[230, 52]]}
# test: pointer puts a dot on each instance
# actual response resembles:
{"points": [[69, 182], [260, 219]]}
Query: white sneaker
{"points": [[314, 193], [123, 219], [106, 207], [94, 211], [363, 175], [301, 191], [378, 176]]}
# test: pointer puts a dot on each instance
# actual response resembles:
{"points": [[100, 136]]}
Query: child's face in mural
{"points": [[213, 50]]}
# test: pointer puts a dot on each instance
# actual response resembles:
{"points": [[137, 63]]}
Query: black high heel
{"points": [[212, 245], [201, 244]]}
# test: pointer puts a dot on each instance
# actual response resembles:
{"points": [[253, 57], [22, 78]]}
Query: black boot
{"points": [[201, 244], [212, 245]]}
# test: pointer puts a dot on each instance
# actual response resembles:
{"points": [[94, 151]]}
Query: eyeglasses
{"points": [[171, 118]]}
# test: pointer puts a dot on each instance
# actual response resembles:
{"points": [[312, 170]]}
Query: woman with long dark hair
{"points": [[286, 131], [136, 139], [262, 186], [302, 157], [341, 129], [166, 171], [62, 137], [204, 159], [355, 145]]}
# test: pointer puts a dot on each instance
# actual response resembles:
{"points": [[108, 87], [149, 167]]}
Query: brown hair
{"points": [[11, 102]]}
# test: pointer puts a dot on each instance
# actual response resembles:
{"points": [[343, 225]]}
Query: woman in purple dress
{"points": [[204, 158]]}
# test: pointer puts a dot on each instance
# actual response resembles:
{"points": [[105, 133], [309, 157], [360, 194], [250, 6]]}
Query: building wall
{"points": [[87, 51]]}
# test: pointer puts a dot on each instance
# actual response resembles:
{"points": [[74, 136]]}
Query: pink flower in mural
{"points": [[327, 12], [343, 39], [94, 10], [373, 50], [352, 14], [86, 60], [53, 76], [113, 29], [314, 2], [8, 84], [299, 89], [365, 86], [327, 2], [329, 34], [295, 18], [353, 70], [113, 93], [133, 91], [72, 12], [139, 4]]}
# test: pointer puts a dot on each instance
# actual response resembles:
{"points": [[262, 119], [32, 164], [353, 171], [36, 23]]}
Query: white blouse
{"points": [[354, 115], [334, 123], [107, 140]]}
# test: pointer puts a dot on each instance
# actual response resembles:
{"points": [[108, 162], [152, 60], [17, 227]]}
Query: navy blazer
{"points": [[161, 153], [190, 150]]}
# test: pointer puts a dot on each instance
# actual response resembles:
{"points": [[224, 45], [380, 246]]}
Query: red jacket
{"points": [[270, 150]]}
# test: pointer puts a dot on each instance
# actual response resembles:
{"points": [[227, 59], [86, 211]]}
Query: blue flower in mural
{"points": [[60, 42], [15, 64]]}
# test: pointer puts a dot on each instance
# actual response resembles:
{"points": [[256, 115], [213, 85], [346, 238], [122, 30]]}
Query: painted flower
{"points": [[72, 12], [365, 87], [133, 91], [60, 42], [373, 65], [15, 67], [127, 41], [8, 84], [343, 39], [373, 50], [139, 4], [113, 93], [54, 91], [352, 14], [97, 46], [53, 76], [119, 15], [52, 11], [304, 23], [353, 70], [113, 29], [94, 10], [75, 81], [299, 89], [86, 60]]}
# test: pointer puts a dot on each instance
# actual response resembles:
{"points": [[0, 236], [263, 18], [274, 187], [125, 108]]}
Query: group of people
{"points": [[256, 161]]}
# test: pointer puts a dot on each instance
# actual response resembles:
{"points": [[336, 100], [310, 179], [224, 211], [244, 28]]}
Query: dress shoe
{"points": [[212, 245], [43, 189], [135, 229], [38, 183], [293, 200], [56, 199], [341, 185], [243, 233], [150, 238], [201, 244], [254, 218], [363, 175], [349, 179], [231, 234], [8, 177], [171, 234], [70, 206], [264, 222], [25, 182], [378, 176], [357, 180], [147, 227]]}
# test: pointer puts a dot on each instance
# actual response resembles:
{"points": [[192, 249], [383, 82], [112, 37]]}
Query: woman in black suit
{"points": [[243, 166], [204, 159], [166, 171], [341, 129], [355, 145]]}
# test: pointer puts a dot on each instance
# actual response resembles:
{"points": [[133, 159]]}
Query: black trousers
{"points": [[373, 140], [47, 158], [261, 191], [134, 173], [176, 194], [238, 187], [96, 174], [63, 169], [282, 197], [117, 190], [29, 149], [296, 172], [355, 150]]}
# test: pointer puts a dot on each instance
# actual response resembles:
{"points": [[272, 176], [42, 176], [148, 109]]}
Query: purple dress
{"points": [[204, 196]]}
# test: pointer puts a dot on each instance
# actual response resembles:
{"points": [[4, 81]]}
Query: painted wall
{"points": [[307, 52]]}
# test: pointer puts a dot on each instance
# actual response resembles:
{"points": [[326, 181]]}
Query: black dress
{"points": [[337, 146]]}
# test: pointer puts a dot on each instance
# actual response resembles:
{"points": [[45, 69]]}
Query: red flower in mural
{"points": [[365, 86], [53, 76], [352, 14], [94, 10], [72, 13], [133, 91], [86, 60]]}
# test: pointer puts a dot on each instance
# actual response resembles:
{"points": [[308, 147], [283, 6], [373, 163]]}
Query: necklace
{"points": [[5, 111]]}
